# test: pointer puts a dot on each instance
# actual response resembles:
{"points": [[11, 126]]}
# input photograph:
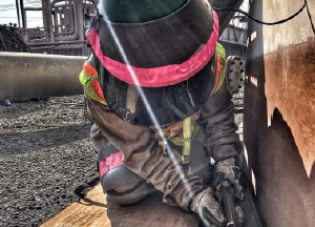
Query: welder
{"points": [[156, 91]]}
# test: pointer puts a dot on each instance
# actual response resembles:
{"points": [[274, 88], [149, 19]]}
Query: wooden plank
{"points": [[94, 211]]}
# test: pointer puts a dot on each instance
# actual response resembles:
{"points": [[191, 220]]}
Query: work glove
{"points": [[208, 208], [227, 172]]}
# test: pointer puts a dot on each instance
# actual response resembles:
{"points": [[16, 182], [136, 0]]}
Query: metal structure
{"points": [[63, 33], [226, 16], [63, 27], [235, 73], [25, 76], [279, 114], [11, 41], [234, 36]]}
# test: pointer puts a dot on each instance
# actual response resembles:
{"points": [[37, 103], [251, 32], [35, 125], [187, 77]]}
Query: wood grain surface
{"points": [[93, 210]]}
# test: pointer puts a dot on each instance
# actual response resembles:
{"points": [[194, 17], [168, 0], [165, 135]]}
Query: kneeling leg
{"points": [[120, 184]]}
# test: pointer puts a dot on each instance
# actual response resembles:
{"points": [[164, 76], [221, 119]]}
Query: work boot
{"points": [[208, 208]]}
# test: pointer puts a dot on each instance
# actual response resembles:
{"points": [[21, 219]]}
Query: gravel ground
{"points": [[45, 154]]}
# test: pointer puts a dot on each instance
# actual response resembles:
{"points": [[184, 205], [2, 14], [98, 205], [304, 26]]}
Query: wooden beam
{"points": [[94, 211]]}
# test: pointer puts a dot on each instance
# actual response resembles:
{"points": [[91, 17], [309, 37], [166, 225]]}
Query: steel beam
{"points": [[18, 12], [56, 43], [25, 76], [23, 14], [226, 16]]}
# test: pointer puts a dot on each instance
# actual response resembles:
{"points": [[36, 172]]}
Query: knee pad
{"points": [[120, 184]]}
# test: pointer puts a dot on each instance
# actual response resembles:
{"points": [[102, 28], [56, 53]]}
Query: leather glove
{"points": [[227, 171], [208, 208]]}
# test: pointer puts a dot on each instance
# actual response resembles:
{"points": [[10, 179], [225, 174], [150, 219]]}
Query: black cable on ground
{"points": [[310, 16]]}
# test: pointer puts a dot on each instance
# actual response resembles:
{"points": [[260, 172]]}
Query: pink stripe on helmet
{"points": [[158, 76]]}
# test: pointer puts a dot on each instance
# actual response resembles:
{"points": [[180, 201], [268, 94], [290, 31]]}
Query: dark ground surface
{"points": [[45, 154]]}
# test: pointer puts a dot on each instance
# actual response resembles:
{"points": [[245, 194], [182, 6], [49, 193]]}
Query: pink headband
{"points": [[158, 76]]}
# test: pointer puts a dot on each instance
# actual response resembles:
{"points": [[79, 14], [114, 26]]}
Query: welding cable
{"points": [[310, 16], [256, 20], [305, 6]]}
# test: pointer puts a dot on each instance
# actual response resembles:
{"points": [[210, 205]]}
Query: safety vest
{"points": [[188, 128], [92, 87]]}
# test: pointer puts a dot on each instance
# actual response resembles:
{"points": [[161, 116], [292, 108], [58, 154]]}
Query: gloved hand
{"points": [[228, 171], [208, 208]]}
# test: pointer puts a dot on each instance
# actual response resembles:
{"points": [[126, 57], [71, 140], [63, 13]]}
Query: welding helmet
{"points": [[155, 58]]}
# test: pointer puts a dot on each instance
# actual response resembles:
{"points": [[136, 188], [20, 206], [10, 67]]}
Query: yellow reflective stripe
{"points": [[84, 77], [220, 52], [87, 81], [190, 129], [187, 134]]}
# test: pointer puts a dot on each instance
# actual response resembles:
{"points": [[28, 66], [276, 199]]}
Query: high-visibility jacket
{"points": [[189, 127], [92, 87]]}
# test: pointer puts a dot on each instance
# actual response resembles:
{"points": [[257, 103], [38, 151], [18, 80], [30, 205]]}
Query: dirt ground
{"points": [[45, 155]]}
